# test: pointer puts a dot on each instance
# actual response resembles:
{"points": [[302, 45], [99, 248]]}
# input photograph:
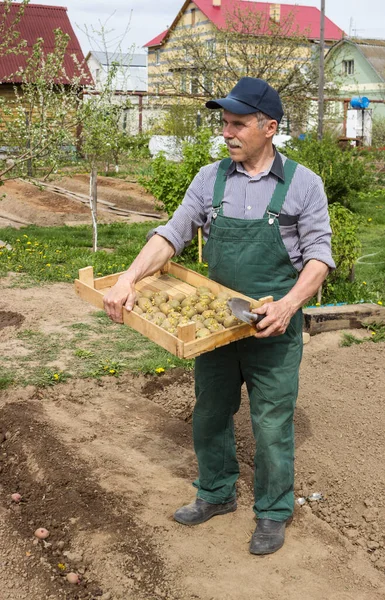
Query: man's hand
{"points": [[121, 294], [276, 320]]}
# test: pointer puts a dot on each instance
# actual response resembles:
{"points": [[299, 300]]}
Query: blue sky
{"points": [[148, 18]]}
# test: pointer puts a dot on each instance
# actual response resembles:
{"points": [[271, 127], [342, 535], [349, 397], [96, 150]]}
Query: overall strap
{"points": [[220, 182], [279, 195]]}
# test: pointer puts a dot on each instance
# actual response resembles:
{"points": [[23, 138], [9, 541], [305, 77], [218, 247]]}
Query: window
{"points": [[348, 67], [195, 85], [183, 83], [208, 83], [192, 17], [157, 57], [210, 47]]}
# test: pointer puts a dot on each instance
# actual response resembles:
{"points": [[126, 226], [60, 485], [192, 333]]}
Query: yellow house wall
{"points": [[159, 57]]}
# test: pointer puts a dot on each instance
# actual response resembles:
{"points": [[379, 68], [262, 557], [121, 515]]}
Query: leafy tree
{"points": [[40, 123], [249, 44], [345, 172], [10, 42], [102, 138]]}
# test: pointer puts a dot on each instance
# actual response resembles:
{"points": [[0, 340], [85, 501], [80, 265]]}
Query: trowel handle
{"points": [[254, 317]]}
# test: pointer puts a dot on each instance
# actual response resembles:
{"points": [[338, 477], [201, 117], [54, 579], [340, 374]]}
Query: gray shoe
{"points": [[268, 537], [200, 511]]}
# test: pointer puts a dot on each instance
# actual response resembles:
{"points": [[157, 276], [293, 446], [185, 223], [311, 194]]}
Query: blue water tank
{"points": [[359, 102]]}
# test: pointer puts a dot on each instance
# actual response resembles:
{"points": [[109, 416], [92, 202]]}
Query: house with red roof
{"points": [[205, 17], [38, 21]]}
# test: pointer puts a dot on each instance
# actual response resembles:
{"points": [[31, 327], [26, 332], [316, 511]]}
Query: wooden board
{"points": [[349, 316], [173, 278]]}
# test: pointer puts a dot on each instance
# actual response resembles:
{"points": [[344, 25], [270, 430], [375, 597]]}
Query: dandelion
{"points": [[29, 243], [364, 283], [56, 376], [373, 332], [369, 219], [159, 370], [112, 371], [61, 567], [48, 265], [318, 304], [26, 236], [379, 302]]}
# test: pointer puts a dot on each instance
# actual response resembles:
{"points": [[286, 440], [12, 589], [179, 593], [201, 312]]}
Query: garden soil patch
{"points": [[27, 204], [103, 464]]}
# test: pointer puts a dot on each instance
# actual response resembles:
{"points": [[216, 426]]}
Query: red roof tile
{"points": [[40, 21], [306, 18]]}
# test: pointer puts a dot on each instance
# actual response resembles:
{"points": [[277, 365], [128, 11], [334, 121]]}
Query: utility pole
{"points": [[321, 83]]}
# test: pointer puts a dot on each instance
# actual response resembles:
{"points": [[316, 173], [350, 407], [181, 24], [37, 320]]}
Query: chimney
{"points": [[275, 12], [217, 2]]}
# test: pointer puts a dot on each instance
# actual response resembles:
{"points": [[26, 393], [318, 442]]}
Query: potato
{"points": [[165, 308], [42, 533], [202, 289], [214, 327], [222, 315], [137, 310], [188, 311], [148, 294], [197, 317], [180, 297], [159, 298], [175, 304], [144, 304], [230, 321], [209, 314], [190, 300], [200, 307], [201, 333]]}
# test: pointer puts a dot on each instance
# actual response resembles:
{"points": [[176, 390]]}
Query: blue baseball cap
{"points": [[251, 95]]}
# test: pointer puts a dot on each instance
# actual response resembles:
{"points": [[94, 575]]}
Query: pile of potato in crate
{"points": [[209, 311]]}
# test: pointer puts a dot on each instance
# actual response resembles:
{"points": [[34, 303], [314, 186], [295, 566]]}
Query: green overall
{"points": [[249, 256]]}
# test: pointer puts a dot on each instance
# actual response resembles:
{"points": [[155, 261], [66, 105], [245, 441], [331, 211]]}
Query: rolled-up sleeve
{"points": [[181, 229], [314, 225]]}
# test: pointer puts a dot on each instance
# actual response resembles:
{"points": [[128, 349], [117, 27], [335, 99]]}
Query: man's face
{"points": [[244, 137]]}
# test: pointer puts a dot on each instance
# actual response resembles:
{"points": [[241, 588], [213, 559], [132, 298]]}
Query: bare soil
{"points": [[27, 204], [103, 464]]}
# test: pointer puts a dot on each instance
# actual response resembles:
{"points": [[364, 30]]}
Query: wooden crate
{"points": [[173, 278]]}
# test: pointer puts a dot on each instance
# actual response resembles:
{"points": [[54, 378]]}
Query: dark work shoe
{"points": [[200, 511], [268, 536]]}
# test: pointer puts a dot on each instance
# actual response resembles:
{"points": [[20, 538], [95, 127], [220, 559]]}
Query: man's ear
{"points": [[271, 128]]}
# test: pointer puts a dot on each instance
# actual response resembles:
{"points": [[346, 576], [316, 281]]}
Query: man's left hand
{"points": [[276, 320]]}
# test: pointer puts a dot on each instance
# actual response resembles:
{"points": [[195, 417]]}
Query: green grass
{"points": [[49, 254], [370, 269], [95, 349], [101, 348]]}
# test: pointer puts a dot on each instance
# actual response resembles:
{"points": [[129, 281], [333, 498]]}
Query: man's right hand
{"points": [[121, 294]]}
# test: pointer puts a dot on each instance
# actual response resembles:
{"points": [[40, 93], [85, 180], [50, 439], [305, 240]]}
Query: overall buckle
{"points": [[272, 216]]}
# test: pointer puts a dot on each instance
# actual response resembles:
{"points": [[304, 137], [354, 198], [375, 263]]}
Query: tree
{"points": [[249, 44], [102, 139], [41, 122], [10, 42]]}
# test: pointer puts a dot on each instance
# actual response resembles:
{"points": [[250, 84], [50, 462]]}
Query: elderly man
{"points": [[267, 228]]}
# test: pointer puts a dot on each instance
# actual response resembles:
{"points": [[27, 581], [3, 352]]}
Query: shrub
{"points": [[346, 246], [344, 171]]}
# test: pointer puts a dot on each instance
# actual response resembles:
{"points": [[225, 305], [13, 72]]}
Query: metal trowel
{"points": [[241, 309]]}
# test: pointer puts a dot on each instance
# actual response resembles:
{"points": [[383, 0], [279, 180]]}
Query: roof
{"points": [[306, 18], [39, 21], [123, 59], [372, 50], [131, 74]]}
